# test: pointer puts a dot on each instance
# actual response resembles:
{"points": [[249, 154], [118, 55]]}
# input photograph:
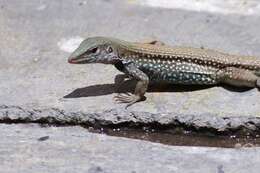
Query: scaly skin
{"points": [[159, 63]]}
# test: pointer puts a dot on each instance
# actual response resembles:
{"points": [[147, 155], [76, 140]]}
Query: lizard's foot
{"points": [[258, 83], [128, 98]]}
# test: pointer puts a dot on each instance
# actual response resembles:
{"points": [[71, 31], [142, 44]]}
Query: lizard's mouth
{"points": [[77, 61], [71, 61]]}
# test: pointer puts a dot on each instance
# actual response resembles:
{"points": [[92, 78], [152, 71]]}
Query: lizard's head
{"points": [[95, 50]]}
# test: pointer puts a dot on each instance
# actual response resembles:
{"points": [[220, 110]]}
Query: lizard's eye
{"points": [[94, 50], [109, 49]]}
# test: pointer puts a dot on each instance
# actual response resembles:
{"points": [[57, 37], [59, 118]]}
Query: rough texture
{"points": [[121, 117], [29, 148], [35, 75]]}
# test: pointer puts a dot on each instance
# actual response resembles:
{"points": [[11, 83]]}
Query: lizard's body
{"points": [[164, 64]]}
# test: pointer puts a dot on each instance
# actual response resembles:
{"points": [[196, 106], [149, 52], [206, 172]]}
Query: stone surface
{"points": [[36, 37], [119, 117], [30, 148]]}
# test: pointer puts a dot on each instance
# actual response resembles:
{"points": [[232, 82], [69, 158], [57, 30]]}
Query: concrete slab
{"points": [[30, 148], [36, 37]]}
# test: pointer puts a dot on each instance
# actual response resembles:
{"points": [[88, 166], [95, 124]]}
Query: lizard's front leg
{"points": [[141, 86]]}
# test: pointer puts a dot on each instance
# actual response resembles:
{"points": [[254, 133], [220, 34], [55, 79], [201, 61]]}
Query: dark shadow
{"points": [[122, 86], [176, 88], [104, 89], [235, 89], [94, 90]]}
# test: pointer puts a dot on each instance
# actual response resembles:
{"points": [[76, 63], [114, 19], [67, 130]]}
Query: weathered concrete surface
{"points": [[35, 75], [30, 148], [118, 117]]}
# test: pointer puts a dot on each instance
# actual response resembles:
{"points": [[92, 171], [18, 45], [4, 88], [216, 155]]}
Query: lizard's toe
{"points": [[127, 98], [123, 98]]}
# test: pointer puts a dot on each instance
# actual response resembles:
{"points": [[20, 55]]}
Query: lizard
{"points": [[156, 62]]}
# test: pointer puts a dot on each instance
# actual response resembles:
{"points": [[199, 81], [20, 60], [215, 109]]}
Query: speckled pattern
{"points": [[195, 55], [185, 65], [175, 71]]}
